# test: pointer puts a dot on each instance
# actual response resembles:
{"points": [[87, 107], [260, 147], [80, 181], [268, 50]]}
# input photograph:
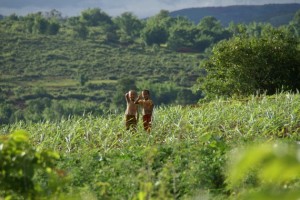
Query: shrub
{"points": [[20, 164], [244, 65]]}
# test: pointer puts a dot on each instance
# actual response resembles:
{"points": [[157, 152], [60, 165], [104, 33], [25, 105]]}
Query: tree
{"points": [[182, 34], [110, 33], [40, 24], [210, 31], [295, 24], [237, 29], [252, 29], [210, 24], [13, 17], [202, 42], [53, 14], [37, 23], [244, 65], [155, 35], [53, 28], [95, 17], [157, 27], [80, 31], [129, 25], [73, 21]]}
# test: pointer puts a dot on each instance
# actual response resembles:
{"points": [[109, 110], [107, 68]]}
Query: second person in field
{"points": [[147, 108]]}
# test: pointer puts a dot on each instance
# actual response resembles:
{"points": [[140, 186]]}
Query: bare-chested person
{"points": [[131, 113], [147, 108]]}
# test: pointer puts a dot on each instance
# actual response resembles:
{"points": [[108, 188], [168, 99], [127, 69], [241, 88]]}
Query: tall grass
{"points": [[184, 156]]}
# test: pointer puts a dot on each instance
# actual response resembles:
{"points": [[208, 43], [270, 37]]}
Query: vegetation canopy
{"points": [[246, 65]]}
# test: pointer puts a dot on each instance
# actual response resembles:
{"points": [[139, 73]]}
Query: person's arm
{"points": [[127, 97], [137, 100]]}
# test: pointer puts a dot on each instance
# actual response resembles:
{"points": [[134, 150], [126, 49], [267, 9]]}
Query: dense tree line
{"points": [[178, 33]]}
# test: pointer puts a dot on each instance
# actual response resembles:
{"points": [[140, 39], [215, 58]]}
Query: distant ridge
{"points": [[276, 14]]}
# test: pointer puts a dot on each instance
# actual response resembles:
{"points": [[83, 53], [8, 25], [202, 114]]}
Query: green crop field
{"points": [[186, 155]]}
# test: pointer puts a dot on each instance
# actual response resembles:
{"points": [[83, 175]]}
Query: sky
{"points": [[140, 8]]}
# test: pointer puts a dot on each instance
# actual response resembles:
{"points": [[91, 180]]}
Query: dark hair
{"points": [[147, 91]]}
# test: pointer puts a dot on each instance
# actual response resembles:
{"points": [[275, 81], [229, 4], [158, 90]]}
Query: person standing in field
{"points": [[131, 113], [147, 108]]}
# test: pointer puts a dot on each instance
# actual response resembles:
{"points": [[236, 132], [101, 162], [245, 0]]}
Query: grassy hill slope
{"points": [[53, 65]]}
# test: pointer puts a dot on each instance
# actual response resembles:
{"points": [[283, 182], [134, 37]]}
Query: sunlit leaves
{"points": [[20, 162], [275, 166]]}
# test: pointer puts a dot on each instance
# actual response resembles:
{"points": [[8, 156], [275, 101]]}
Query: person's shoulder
{"points": [[150, 101]]}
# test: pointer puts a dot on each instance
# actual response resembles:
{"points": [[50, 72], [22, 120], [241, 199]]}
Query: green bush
{"points": [[24, 171], [244, 65]]}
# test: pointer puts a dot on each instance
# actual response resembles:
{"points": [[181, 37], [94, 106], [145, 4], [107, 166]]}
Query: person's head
{"points": [[146, 94], [131, 94]]}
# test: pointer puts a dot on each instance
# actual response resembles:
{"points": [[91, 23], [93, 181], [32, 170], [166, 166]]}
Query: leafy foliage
{"points": [[129, 27], [275, 166], [20, 162], [95, 17], [295, 24], [246, 65]]}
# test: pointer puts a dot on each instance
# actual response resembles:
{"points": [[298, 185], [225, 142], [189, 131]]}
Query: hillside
{"points": [[53, 68], [276, 14]]}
